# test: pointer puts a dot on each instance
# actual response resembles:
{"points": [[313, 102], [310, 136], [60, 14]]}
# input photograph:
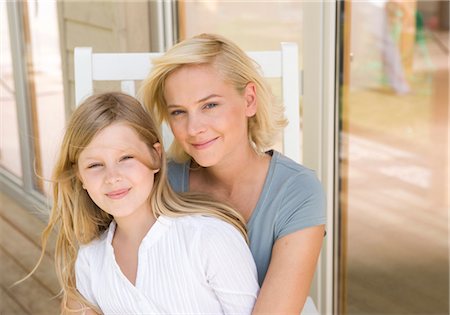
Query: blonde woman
{"points": [[224, 120], [126, 243]]}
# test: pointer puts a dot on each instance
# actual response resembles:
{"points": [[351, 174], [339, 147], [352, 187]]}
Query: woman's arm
{"points": [[291, 269]]}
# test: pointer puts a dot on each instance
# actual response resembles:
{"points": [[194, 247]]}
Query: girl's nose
{"points": [[113, 176]]}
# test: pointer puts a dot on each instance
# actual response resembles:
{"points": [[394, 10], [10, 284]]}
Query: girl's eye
{"points": [[210, 105], [94, 165], [126, 157]]}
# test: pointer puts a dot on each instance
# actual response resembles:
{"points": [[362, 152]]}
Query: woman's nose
{"points": [[195, 124]]}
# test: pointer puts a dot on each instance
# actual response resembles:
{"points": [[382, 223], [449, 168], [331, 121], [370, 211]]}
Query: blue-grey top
{"points": [[292, 199]]}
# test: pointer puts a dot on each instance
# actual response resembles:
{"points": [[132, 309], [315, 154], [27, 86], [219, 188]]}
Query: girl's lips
{"points": [[118, 194], [203, 145]]}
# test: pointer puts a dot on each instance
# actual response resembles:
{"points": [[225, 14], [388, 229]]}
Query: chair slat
{"points": [[131, 67], [122, 66]]}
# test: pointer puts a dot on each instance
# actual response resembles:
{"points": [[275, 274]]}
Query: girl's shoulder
{"points": [[200, 225], [197, 221], [97, 245]]}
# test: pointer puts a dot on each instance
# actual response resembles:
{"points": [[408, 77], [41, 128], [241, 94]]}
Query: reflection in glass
{"points": [[262, 27], [394, 153], [45, 84], [10, 158]]}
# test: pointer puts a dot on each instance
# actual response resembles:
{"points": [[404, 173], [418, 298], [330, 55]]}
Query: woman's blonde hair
{"points": [[235, 67], [77, 219]]}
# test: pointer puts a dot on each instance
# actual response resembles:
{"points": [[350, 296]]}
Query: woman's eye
{"points": [[210, 105], [176, 112]]}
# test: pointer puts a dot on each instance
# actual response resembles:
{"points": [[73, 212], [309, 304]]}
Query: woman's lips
{"points": [[118, 194], [203, 145]]}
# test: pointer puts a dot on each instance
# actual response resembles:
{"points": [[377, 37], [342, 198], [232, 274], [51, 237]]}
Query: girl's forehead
{"points": [[116, 133], [117, 137]]}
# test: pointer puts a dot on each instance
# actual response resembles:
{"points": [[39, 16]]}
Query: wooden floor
{"points": [[19, 250]]}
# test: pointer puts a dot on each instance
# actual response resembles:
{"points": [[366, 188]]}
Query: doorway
{"points": [[394, 146]]}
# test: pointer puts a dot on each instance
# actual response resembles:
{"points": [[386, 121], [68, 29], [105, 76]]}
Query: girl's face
{"points": [[113, 171], [207, 115]]}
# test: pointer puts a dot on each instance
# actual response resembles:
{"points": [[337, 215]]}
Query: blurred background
{"points": [[374, 125]]}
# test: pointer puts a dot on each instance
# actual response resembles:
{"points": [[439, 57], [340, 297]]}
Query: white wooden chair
{"points": [[130, 67]]}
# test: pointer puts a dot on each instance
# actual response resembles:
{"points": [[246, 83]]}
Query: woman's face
{"points": [[207, 115]]}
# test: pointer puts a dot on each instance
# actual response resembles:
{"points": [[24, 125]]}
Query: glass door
{"points": [[394, 153], [256, 25]]}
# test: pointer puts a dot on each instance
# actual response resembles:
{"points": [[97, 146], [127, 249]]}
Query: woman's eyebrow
{"points": [[199, 101], [207, 97]]}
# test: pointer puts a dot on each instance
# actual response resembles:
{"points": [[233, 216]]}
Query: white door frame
{"points": [[320, 129]]}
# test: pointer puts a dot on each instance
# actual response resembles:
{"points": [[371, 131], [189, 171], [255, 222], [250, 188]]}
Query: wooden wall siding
{"points": [[107, 26], [100, 14], [19, 250]]}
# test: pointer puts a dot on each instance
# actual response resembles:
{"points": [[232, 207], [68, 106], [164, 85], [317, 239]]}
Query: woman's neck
{"points": [[234, 171], [238, 182]]}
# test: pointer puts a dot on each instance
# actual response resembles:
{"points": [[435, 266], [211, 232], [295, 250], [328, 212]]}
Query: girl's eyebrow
{"points": [[88, 159], [199, 101], [120, 150]]}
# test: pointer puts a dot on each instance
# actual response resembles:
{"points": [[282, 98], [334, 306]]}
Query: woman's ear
{"points": [[250, 99]]}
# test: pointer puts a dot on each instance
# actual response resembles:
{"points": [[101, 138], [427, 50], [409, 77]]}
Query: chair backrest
{"points": [[130, 67]]}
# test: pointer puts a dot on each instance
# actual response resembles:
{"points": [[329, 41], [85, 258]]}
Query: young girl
{"points": [[224, 122], [126, 243]]}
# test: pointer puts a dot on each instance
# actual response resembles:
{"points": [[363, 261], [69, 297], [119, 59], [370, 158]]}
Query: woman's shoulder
{"points": [[172, 164], [282, 161], [294, 198], [177, 174], [286, 170]]}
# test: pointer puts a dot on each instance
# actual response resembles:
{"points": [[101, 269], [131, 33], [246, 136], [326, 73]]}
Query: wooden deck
{"points": [[19, 250]]}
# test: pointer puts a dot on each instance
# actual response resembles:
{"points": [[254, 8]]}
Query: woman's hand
{"points": [[74, 305]]}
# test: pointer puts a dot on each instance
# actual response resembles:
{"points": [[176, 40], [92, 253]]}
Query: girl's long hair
{"points": [[77, 219], [235, 67]]}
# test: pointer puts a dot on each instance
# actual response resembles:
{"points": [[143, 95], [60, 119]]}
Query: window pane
{"points": [[10, 158]]}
